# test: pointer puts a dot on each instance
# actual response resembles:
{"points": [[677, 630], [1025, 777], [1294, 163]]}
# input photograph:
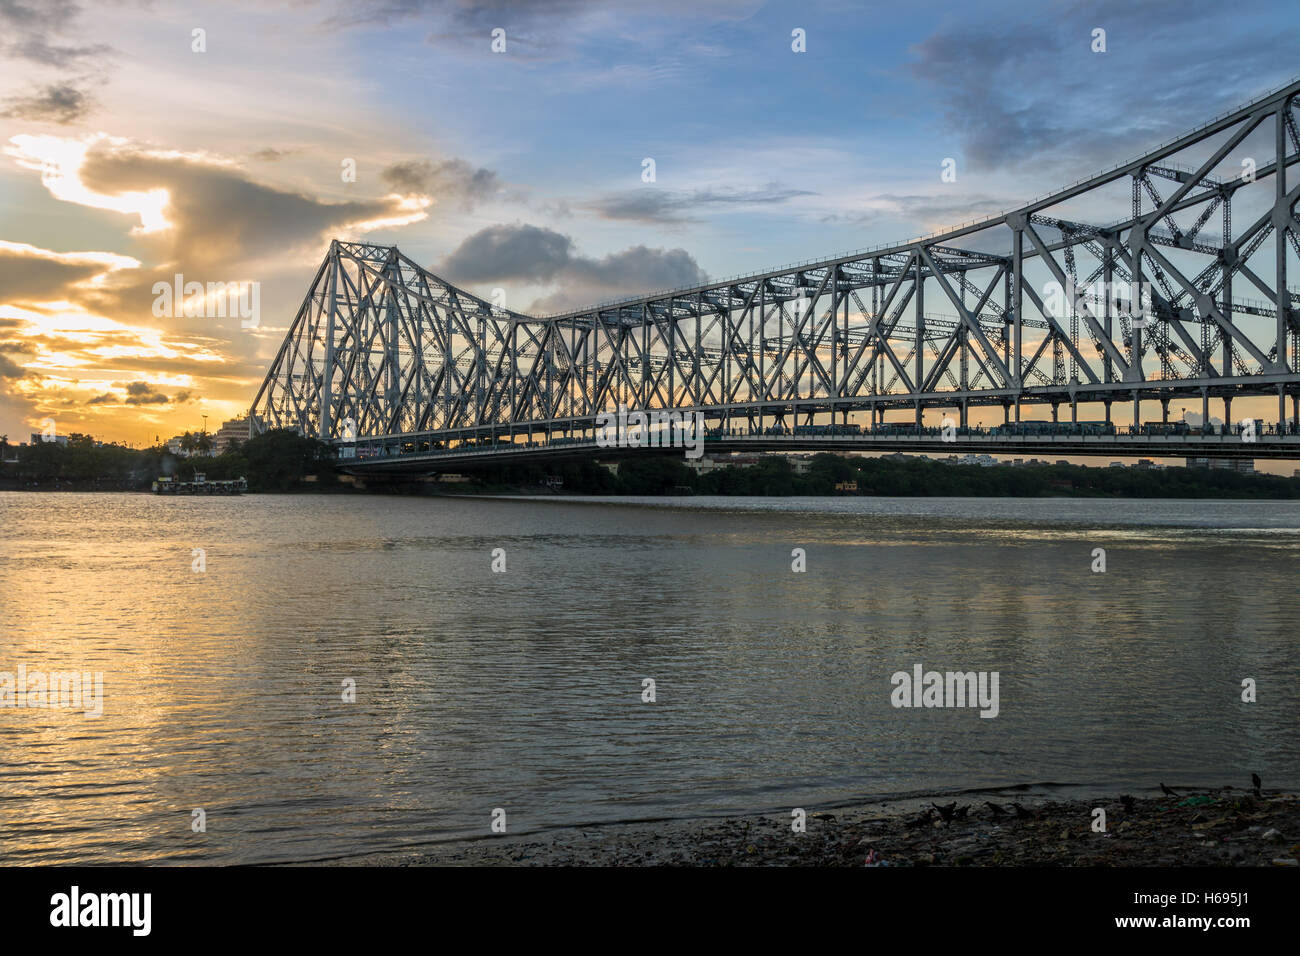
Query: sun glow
{"points": [[59, 162]]}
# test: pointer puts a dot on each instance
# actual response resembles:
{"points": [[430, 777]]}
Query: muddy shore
{"points": [[1224, 827]]}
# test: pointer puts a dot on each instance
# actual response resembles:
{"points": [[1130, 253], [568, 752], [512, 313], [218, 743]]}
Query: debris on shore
{"points": [[1226, 827]]}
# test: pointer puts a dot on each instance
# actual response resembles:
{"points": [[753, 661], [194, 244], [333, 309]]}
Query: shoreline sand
{"points": [[1218, 827]]}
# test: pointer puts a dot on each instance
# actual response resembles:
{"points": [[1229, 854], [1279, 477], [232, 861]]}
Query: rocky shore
{"points": [[1225, 827]]}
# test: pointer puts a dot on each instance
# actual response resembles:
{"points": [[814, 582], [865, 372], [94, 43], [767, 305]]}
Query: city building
{"points": [[1245, 466], [801, 464], [707, 463], [236, 430]]}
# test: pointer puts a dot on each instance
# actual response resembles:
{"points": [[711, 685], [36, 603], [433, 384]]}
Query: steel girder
{"points": [[381, 346]]}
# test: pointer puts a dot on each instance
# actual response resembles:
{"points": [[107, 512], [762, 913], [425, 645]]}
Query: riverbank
{"points": [[1225, 827]]}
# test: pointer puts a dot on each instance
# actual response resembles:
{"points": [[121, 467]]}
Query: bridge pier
{"points": [[1164, 410], [1227, 411]]}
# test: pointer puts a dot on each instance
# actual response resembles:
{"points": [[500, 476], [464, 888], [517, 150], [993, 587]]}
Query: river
{"points": [[229, 630]]}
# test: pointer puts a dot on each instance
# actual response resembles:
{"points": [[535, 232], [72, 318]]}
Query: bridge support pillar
{"points": [[1205, 407], [1137, 410], [1281, 409], [965, 412], [1164, 410], [1056, 412], [1074, 409], [1227, 411], [1107, 404], [1006, 413], [1295, 412]]}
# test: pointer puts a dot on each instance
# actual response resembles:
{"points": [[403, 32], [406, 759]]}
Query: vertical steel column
{"points": [[325, 416], [1281, 220], [1017, 311], [920, 339]]}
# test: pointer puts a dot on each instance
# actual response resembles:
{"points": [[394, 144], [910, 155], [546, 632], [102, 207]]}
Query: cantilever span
{"points": [[1171, 278]]}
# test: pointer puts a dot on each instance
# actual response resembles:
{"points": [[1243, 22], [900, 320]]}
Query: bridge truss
{"points": [[969, 317]]}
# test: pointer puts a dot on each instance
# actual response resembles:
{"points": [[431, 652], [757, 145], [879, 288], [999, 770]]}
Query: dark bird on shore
{"points": [[945, 813], [1254, 779], [1021, 812], [997, 810], [1167, 792], [924, 820], [1128, 803]]}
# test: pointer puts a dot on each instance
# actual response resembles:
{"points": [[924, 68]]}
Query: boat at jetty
{"points": [[200, 486]]}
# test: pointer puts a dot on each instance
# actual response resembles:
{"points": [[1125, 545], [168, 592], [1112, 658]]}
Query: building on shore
{"points": [[1245, 466], [707, 463], [984, 461], [236, 430]]}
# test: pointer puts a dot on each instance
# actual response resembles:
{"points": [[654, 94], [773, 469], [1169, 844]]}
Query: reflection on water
{"points": [[522, 690]]}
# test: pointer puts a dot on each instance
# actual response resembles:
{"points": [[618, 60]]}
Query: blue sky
{"points": [[523, 169]]}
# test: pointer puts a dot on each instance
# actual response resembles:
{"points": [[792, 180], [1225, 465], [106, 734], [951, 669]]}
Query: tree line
{"points": [[777, 476], [277, 460]]}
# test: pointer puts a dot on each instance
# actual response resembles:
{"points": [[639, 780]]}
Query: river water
{"points": [[523, 690]]}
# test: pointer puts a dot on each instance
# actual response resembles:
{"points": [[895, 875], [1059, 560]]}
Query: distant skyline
{"points": [[140, 141]]}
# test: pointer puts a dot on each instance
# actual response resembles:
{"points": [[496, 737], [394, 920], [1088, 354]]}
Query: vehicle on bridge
{"points": [[1165, 428], [1049, 429], [813, 431]]}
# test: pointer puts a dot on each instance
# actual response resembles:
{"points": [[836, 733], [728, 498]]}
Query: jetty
{"points": [[200, 486]]}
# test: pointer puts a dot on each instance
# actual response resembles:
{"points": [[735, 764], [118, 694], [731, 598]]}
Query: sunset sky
{"points": [[128, 156]]}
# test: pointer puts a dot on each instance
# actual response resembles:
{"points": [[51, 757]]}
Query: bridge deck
{"points": [[1056, 446]]}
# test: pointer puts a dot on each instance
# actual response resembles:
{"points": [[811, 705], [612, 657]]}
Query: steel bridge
{"points": [[1112, 290]]}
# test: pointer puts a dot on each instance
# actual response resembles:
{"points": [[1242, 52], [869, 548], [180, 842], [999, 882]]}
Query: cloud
{"points": [[200, 212], [11, 369], [934, 212], [59, 103], [550, 31], [217, 214], [30, 274], [270, 154], [32, 29], [447, 179], [139, 393], [653, 205], [534, 255], [1087, 110], [530, 20]]}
